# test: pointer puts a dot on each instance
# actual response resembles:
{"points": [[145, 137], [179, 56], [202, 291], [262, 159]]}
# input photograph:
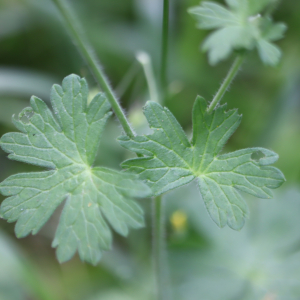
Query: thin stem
{"points": [[127, 79], [164, 48], [146, 63], [88, 54], [159, 250], [159, 247], [226, 83]]}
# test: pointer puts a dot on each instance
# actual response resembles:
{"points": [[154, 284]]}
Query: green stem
{"points": [[88, 54], [127, 79], [164, 48], [159, 247], [146, 63], [226, 83], [159, 254]]}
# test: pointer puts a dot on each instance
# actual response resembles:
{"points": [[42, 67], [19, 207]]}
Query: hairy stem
{"points": [[88, 54], [164, 48], [159, 250], [159, 247], [226, 83], [146, 63]]}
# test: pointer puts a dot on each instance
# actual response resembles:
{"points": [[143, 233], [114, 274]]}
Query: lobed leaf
{"points": [[67, 142], [171, 160], [213, 15], [239, 27]]}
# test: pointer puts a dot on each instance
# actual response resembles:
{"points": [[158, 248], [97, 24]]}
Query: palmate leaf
{"points": [[171, 160], [67, 143], [239, 27]]}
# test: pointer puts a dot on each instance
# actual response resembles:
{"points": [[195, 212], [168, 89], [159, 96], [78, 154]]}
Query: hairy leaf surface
{"points": [[239, 27], [67, 143], [171, 160]]}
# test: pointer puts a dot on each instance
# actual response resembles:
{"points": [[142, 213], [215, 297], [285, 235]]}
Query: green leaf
{"points": [[239, 27], [229, 37], [273, 32], [270, 54], [258, 6], [171, 161], [250, 7], [213, 16], [67, 143]]}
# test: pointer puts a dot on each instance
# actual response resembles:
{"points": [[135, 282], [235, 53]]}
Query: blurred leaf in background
{"points": [[11, 270], [241, 26], [260, 261]]}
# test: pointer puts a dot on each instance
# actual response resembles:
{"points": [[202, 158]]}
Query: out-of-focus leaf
{"points": [[212, 16], [137, 289], [273, 32], [10, 271], [19, 279], [239, 27], [251, 7], [260, 262], [269, 53]]}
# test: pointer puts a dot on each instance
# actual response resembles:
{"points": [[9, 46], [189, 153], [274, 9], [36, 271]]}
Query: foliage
{"points": [[67, 143], [171, 161], [201, 256], [240, 26], [250, 264]]}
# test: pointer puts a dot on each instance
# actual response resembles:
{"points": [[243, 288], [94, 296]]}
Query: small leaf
{"points": [[239, 27], [67, 143], [171, 161]]}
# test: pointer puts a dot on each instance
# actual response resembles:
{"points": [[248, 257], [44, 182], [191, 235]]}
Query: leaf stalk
{"points": [[159, 243], [159, 250], [145, 61], [165, 48], [88, 54], [226, 83]]}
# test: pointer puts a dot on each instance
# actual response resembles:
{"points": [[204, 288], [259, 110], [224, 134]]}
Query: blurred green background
{"points": [[206, 263]]}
